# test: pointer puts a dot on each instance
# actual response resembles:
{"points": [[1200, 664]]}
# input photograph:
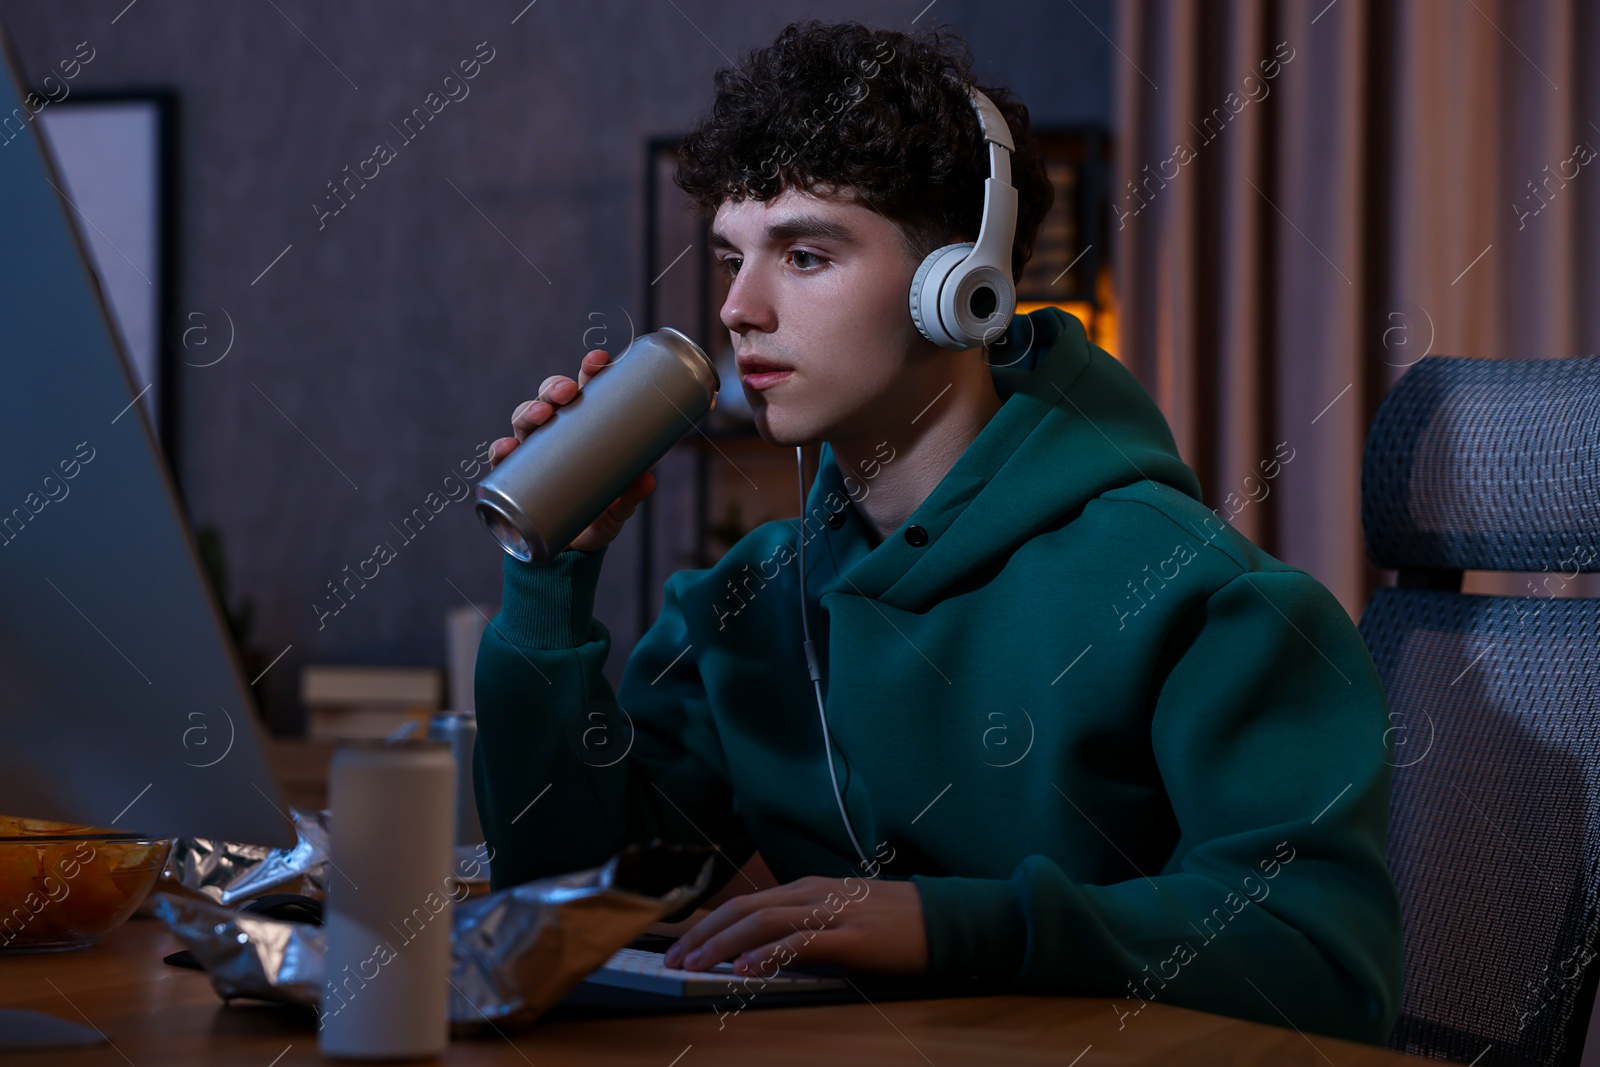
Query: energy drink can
{"points": [[393, 823], [570, 469], [459, 730]]}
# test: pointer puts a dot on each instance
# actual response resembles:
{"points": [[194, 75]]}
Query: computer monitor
{"points": [[122, 701]]}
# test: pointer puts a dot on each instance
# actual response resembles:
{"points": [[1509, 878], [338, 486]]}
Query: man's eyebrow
{"points": [[814, 226]]}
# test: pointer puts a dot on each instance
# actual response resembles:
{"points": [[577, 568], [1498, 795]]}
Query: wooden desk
{"points": [[161, 1015]]}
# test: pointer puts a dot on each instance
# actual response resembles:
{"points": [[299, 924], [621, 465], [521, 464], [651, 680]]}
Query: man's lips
{"points": [[759, 371], [758, 365]]}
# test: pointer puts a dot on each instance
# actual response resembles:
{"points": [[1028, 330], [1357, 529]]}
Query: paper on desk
{"points": [[514, 954]]}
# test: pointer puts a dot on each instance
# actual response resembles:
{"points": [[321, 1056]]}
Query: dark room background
{"points": [[375, 349]]}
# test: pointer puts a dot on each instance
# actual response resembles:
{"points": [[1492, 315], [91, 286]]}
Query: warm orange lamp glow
{"points": [[1100, 324]]}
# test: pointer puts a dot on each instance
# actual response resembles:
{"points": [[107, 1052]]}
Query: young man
{"points": [[1094, 739]]}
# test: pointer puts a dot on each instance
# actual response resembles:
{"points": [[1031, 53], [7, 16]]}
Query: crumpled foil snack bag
{"points": [[229, 873], [248, 955], [515, 953]]}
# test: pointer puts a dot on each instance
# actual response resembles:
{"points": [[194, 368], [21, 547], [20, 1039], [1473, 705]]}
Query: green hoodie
{"points": [[1120, 750]]}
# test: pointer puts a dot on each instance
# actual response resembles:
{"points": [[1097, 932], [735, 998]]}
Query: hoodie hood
{"points": [[1073, 423]]}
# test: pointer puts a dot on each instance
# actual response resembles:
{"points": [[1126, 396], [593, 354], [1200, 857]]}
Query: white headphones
{"points": [[962, 296]]}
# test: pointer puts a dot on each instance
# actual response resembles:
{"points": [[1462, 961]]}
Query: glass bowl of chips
{"points": [[64, 885]]}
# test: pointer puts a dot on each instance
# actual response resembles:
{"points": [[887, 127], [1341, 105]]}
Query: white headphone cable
{"points": [[815, 670]]}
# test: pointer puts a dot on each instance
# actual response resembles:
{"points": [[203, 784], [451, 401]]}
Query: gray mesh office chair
{"points": [[1494, 702]]}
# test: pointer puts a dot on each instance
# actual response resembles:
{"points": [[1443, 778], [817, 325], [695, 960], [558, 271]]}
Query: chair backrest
{"points": [[1494, 701]]}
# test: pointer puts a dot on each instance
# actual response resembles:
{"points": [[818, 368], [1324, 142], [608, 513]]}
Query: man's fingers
{"points": [[798, 947], [500, 449], [760, 927], [810, 921], [594, 361], [625, 505], [800, 894], [528, 416], [554, 391], [558, 390], [605, 529], [640, 488], [727, 913]]}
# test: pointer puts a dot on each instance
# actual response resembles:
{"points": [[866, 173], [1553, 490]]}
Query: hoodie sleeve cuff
{"points": [[975, 928], [550, 605]]}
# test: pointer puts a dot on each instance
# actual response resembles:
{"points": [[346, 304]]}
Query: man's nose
{"points": [[749, 303]]}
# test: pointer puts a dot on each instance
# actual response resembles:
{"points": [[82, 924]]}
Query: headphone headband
{"points": [[990, 122], [962, 295]]}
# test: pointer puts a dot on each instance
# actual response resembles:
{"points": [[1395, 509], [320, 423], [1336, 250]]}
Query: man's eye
{"points": [[731, 265], [812, 256]]}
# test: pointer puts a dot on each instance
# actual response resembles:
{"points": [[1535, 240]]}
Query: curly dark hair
{"points": [[837, 105]]}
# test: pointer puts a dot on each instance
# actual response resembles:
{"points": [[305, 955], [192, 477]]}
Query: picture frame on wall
{"points": [[115, 154]]}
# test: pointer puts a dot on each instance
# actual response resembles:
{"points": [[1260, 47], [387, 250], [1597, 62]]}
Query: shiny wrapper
{"points": [[514, 954], [230, 873], [248, 955]]}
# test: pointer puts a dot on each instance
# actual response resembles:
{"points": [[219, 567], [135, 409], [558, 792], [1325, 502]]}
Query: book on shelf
{"points": [[350, 702]]}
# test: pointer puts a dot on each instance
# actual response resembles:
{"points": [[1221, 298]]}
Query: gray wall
{"points": [[401, 334]]}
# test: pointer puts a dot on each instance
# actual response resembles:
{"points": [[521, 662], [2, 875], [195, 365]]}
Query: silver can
{"points": [[459, 730], [569, 470]]}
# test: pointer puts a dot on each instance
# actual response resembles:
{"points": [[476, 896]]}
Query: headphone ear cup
{"points": [[977, 304], [929, 298]]}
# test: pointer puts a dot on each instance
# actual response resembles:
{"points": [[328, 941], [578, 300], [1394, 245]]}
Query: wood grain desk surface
{"points": [[160, 1015]]}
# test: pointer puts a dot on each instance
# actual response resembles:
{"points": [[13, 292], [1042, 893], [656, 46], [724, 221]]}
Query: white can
{"points": [[387, 988]]}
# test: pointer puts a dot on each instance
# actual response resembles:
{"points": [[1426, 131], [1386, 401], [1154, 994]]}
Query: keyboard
{"points": [[633, 968]]}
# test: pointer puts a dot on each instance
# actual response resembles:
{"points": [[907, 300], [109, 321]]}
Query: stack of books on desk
{"points": [[367, 702]]}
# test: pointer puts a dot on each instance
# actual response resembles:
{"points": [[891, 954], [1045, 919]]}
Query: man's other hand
{"points": [[871, 926]]}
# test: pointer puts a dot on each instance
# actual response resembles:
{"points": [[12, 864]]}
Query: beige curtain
{"points": [[1311, 196]]}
